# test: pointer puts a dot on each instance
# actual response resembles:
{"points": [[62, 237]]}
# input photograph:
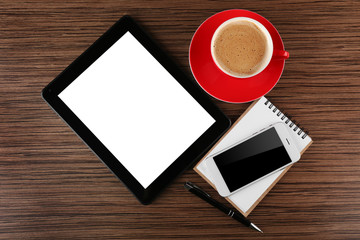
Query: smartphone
{"points": [[265, 152]]}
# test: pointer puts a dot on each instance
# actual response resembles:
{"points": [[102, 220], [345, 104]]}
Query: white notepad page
{"points": [[259, 117]]}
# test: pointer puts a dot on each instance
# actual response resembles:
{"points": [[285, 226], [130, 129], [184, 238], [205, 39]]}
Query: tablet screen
{"points": [[134, 106]]}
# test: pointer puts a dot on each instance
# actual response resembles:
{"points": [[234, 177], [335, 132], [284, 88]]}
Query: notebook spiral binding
{"points": [[287, 119]]}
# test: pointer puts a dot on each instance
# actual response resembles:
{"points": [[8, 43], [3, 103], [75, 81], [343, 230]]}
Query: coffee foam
{"points": [[240, 48]]}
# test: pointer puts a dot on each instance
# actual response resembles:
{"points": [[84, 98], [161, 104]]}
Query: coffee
{"points": [[240, 48]]}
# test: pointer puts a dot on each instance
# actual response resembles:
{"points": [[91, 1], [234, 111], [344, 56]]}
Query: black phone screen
{"points": [[252, 159]]}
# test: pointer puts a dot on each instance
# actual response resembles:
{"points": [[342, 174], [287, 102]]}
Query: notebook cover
{"points": [[277, 175]]}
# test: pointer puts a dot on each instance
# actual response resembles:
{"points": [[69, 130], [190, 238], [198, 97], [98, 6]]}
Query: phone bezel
{"points": [[286, 140]]}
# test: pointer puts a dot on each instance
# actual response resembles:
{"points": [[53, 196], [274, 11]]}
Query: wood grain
{"points": [[53, 187]]}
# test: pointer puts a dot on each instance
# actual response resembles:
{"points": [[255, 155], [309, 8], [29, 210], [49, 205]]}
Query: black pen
{"points": [[236, 215]]}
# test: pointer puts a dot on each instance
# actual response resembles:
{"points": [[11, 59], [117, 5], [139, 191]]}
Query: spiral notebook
{"points": [[260, 114]]}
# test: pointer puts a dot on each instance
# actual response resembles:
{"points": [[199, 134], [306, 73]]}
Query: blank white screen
{"points": [[144, 117]]}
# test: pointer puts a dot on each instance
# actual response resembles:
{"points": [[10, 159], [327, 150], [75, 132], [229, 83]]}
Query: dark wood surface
{"points": [[53, 187]]}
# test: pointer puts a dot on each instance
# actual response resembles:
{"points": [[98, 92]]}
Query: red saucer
{"points": [[220, 85]]}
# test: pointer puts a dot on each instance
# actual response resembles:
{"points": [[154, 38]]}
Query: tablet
{"points": [[137, 111]]}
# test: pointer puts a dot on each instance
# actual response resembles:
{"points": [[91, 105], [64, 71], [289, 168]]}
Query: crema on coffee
{"points": [[240, 48]]}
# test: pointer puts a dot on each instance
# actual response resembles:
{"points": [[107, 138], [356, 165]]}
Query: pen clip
{"points": [[190, 185]]}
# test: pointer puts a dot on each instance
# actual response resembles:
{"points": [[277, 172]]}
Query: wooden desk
{"points": [[53, 187]]}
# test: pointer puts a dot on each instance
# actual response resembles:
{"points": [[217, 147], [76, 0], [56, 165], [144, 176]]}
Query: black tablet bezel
{"points": [[50, 95]]}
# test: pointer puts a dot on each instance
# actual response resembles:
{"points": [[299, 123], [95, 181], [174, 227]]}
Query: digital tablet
{"points": [[137, 111]]}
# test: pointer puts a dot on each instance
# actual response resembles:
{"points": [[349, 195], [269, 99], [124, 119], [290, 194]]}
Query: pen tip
{"points": [[253, 226]]}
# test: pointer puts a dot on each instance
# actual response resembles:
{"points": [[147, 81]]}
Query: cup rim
{"points": [[262, 28]]}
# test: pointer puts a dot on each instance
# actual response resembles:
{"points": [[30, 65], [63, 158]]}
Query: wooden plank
{"points": [[53, 187]]}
